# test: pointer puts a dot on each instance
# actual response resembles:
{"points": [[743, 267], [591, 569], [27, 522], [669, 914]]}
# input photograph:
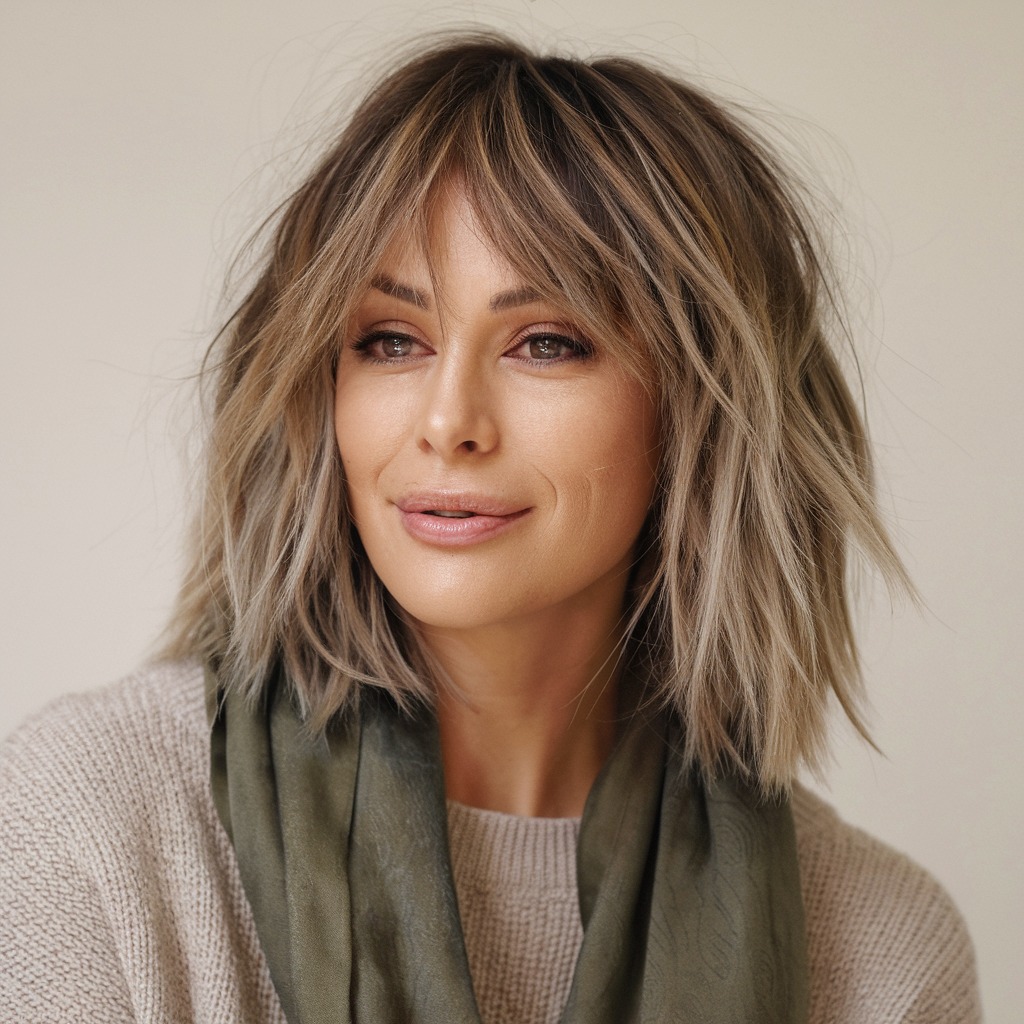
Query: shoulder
{"points": [[113, 769], [164, 691], [885, 940], [119, 887], [110, 742]]}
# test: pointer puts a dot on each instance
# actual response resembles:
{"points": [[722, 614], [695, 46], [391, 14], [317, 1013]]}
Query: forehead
{"points": [[447, 233], [449, 251]]}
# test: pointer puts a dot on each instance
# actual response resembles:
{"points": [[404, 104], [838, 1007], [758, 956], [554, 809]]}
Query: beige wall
{"points": [[130, 136]]}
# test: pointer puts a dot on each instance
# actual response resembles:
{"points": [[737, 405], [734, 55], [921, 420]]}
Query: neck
{"points": [[529, 717]]}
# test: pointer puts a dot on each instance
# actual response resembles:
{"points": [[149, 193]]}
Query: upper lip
{"points": [[458, 501]]}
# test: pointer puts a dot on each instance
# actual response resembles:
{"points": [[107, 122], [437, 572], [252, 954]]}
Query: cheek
{"points": [[615, 458], [361, 459], [367, 428], [347, 434], [628, 432]]}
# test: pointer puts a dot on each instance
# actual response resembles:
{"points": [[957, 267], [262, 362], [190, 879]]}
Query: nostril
{"points": [[470, 446]]}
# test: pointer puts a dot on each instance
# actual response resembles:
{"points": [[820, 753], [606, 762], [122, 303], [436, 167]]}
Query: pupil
{"points": [[395, 346], [545, 348]]}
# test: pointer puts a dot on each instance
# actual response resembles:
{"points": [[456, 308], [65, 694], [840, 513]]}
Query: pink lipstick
{"points": [[450, 519]]}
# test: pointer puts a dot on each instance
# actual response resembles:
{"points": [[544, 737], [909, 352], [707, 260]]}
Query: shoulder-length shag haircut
{"points": [[671, 232]]}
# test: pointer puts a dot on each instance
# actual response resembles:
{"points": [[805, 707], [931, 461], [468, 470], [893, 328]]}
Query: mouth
{"points": [[457, 519], [458, 505]]}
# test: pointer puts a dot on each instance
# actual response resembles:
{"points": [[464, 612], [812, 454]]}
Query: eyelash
{"points": [[363, 344], [577, 348]]}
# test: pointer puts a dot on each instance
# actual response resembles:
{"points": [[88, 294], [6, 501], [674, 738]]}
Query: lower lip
{"points": [[446, 531]]}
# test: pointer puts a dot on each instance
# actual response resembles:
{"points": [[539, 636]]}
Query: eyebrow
{"points": [[512, 298], [389, 286], [500, 302]]}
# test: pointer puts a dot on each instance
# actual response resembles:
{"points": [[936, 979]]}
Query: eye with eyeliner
{"points": [[538, 347], [544, 347], [387, 347]]}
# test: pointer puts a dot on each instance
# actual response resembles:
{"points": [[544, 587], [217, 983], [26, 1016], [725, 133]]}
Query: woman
{"points": [[516, 601]]}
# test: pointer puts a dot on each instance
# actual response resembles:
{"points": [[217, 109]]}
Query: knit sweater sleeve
{"points": [[58, 959], [120, 898], [885, 941]]}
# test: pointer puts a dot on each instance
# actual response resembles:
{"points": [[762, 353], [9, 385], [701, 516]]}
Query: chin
{"points": [[457, 611]]}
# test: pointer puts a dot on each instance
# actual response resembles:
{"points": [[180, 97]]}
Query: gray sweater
{"points": [[120, 898]]}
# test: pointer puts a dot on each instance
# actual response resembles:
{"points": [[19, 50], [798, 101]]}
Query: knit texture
{"points": [[516, 883], [120, 898]]}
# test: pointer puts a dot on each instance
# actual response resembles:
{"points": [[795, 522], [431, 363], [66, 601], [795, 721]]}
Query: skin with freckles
{"points": [[499, 469]]}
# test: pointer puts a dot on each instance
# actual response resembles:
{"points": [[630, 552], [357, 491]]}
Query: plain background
{"points": [[141, 141]]}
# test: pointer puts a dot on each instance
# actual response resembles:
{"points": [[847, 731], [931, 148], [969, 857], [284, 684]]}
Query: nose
{"points": [[457, 414]]}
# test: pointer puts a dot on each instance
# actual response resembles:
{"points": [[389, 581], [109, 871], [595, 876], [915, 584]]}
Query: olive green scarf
{"points": [[689, 895]]}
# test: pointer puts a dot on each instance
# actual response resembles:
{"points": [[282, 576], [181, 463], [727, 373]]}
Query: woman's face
{"points": [[499, 464]]}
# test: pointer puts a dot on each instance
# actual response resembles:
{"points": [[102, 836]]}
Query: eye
{"points": [[394, 346], [548, 346], [387, 346]]}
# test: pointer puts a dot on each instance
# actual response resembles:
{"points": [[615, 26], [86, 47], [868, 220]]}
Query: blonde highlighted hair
{"points": [[671, 232]]}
